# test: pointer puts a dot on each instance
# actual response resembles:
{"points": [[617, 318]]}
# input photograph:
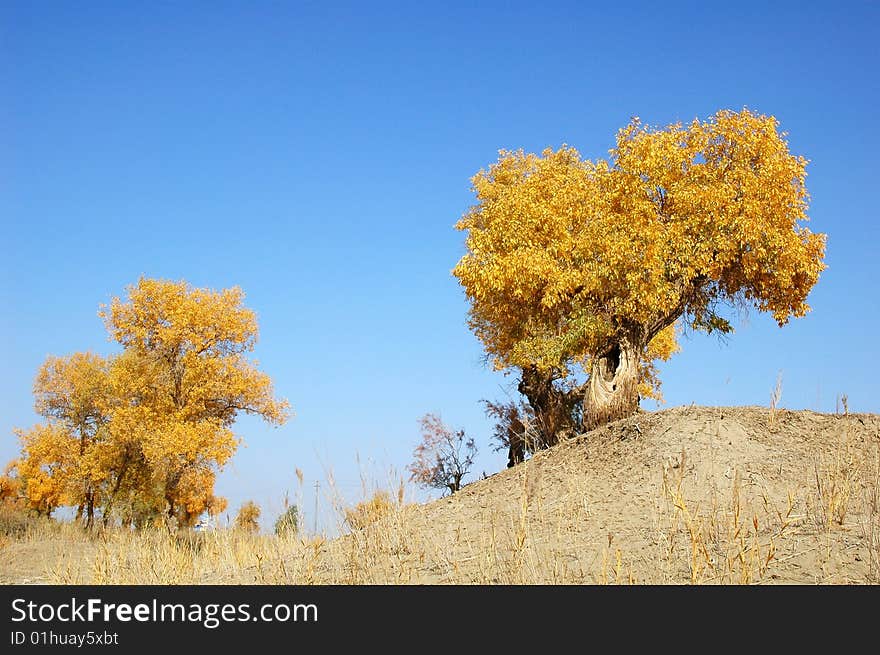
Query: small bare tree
{"points": [[443, 457]]}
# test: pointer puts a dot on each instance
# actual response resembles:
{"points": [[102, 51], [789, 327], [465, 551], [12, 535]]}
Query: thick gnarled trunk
{"points": [[612, 390], [610, 393]]}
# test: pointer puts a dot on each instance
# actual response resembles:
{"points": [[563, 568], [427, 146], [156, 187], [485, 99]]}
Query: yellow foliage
{"points": [[75, 394], [187, 350], [154, 423], [248, 517], [216, 505], [10, 485], [185, 364], [566, 257], [49, 461], [74, 390], [660, 348]]}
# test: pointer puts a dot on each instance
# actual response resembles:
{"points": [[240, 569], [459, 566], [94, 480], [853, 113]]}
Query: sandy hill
{"points": [[689, 494], [723, 494]]}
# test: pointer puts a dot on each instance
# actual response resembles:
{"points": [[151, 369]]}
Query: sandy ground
{"points": [[688, 494], [590, 501]]}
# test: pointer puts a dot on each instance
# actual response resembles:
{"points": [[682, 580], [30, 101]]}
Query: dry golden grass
{"points": [[685, 518], [870, 518], [368, 511], [729, 541]]}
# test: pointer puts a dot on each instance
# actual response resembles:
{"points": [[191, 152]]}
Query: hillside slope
{"points": [[729, 494], [689, 494]]}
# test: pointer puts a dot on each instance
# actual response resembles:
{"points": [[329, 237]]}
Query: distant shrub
{"points": [[248, 517], [287, 524]]}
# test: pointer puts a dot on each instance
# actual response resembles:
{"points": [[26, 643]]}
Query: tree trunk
{"points": [[553, 410], [612, 391], [90, 509], [109, 506], [516, 448]]}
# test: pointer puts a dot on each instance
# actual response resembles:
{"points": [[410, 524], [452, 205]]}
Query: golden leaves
{"points": [[565, 255], [154, 422], [165, 317], [49, 463]]}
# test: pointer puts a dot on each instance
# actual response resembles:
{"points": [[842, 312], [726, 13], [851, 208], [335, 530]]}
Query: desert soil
{"points": [[688, 494]]}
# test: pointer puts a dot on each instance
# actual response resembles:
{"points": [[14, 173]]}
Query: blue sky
{"points": [[318, 155]]}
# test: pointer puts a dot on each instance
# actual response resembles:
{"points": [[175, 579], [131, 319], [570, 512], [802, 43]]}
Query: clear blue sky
{"points": [[318, 156]]}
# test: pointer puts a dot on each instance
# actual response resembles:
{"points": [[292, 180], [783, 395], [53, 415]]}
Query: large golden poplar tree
{"points": [[578, 264]]}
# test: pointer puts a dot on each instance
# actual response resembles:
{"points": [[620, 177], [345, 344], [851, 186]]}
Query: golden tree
{"points": [[574, 265], [148, 428], [185, 376], [74, 394]]}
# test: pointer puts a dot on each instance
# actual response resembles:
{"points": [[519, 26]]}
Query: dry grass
{"points": [[775, 398], [728, 542], [544, 522], [870, 522], [836, 479], [371, 510]]}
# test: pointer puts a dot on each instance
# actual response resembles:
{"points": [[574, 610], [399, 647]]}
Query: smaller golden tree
{"points": [[142, 434]]}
